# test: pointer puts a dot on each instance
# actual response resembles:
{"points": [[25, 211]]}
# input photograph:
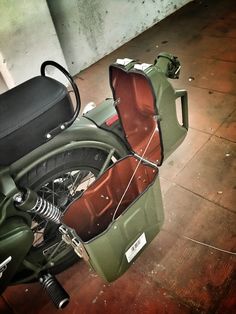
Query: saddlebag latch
{"points": [[69, 237]]}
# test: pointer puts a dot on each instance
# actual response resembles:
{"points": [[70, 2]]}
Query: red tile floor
{"points": [[175, 274]]}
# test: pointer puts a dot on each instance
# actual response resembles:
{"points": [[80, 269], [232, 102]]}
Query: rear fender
{"points": [[83, 133]]}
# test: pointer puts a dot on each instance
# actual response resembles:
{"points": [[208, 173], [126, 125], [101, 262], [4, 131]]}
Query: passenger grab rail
{"points": [[75, 90]]}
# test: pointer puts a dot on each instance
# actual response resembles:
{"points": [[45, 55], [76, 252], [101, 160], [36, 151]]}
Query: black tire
{"points": [[57, 170]]}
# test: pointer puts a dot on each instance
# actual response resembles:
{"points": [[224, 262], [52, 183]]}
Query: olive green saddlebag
{"points": [[121, 212]]}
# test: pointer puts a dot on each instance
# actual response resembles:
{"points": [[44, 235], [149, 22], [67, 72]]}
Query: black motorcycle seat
{"points": [[27, 101], [28, 112]]}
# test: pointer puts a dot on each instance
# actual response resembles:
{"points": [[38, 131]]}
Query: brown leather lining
{"points": [[92, 213]]}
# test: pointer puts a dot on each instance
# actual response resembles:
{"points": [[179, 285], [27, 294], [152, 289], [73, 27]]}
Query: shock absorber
{"points": [[29, 201]]}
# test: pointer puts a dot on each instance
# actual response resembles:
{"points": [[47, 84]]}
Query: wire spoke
{"points": [[62, 187], [60, 191]]}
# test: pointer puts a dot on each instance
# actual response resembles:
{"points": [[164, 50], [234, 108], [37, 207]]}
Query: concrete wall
{"points": [[3, 86], [27, 38], [86, 30], [90, 29]]}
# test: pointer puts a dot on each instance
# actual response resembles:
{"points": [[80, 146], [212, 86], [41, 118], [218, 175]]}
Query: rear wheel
{"points": [[60, 179]]}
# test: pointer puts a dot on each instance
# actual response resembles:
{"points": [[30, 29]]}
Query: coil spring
{"points": [[47, 210]]}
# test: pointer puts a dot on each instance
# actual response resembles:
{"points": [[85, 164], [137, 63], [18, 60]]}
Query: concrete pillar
{"points": [[27, 38]]}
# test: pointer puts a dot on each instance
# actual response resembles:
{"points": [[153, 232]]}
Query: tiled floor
{"points": [[175, 274]]}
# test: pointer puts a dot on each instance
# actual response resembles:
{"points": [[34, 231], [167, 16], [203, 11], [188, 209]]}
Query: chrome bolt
{"points": [[18, 197]]}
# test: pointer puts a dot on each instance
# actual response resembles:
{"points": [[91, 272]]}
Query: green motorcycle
{"points": [[85, 186]]}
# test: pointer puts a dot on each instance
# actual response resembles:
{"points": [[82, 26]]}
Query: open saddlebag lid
{"points": [[121, 212]]}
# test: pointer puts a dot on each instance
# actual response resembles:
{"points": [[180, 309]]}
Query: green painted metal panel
{"points": [[16, 239], [172, 132], [107, 253]]}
